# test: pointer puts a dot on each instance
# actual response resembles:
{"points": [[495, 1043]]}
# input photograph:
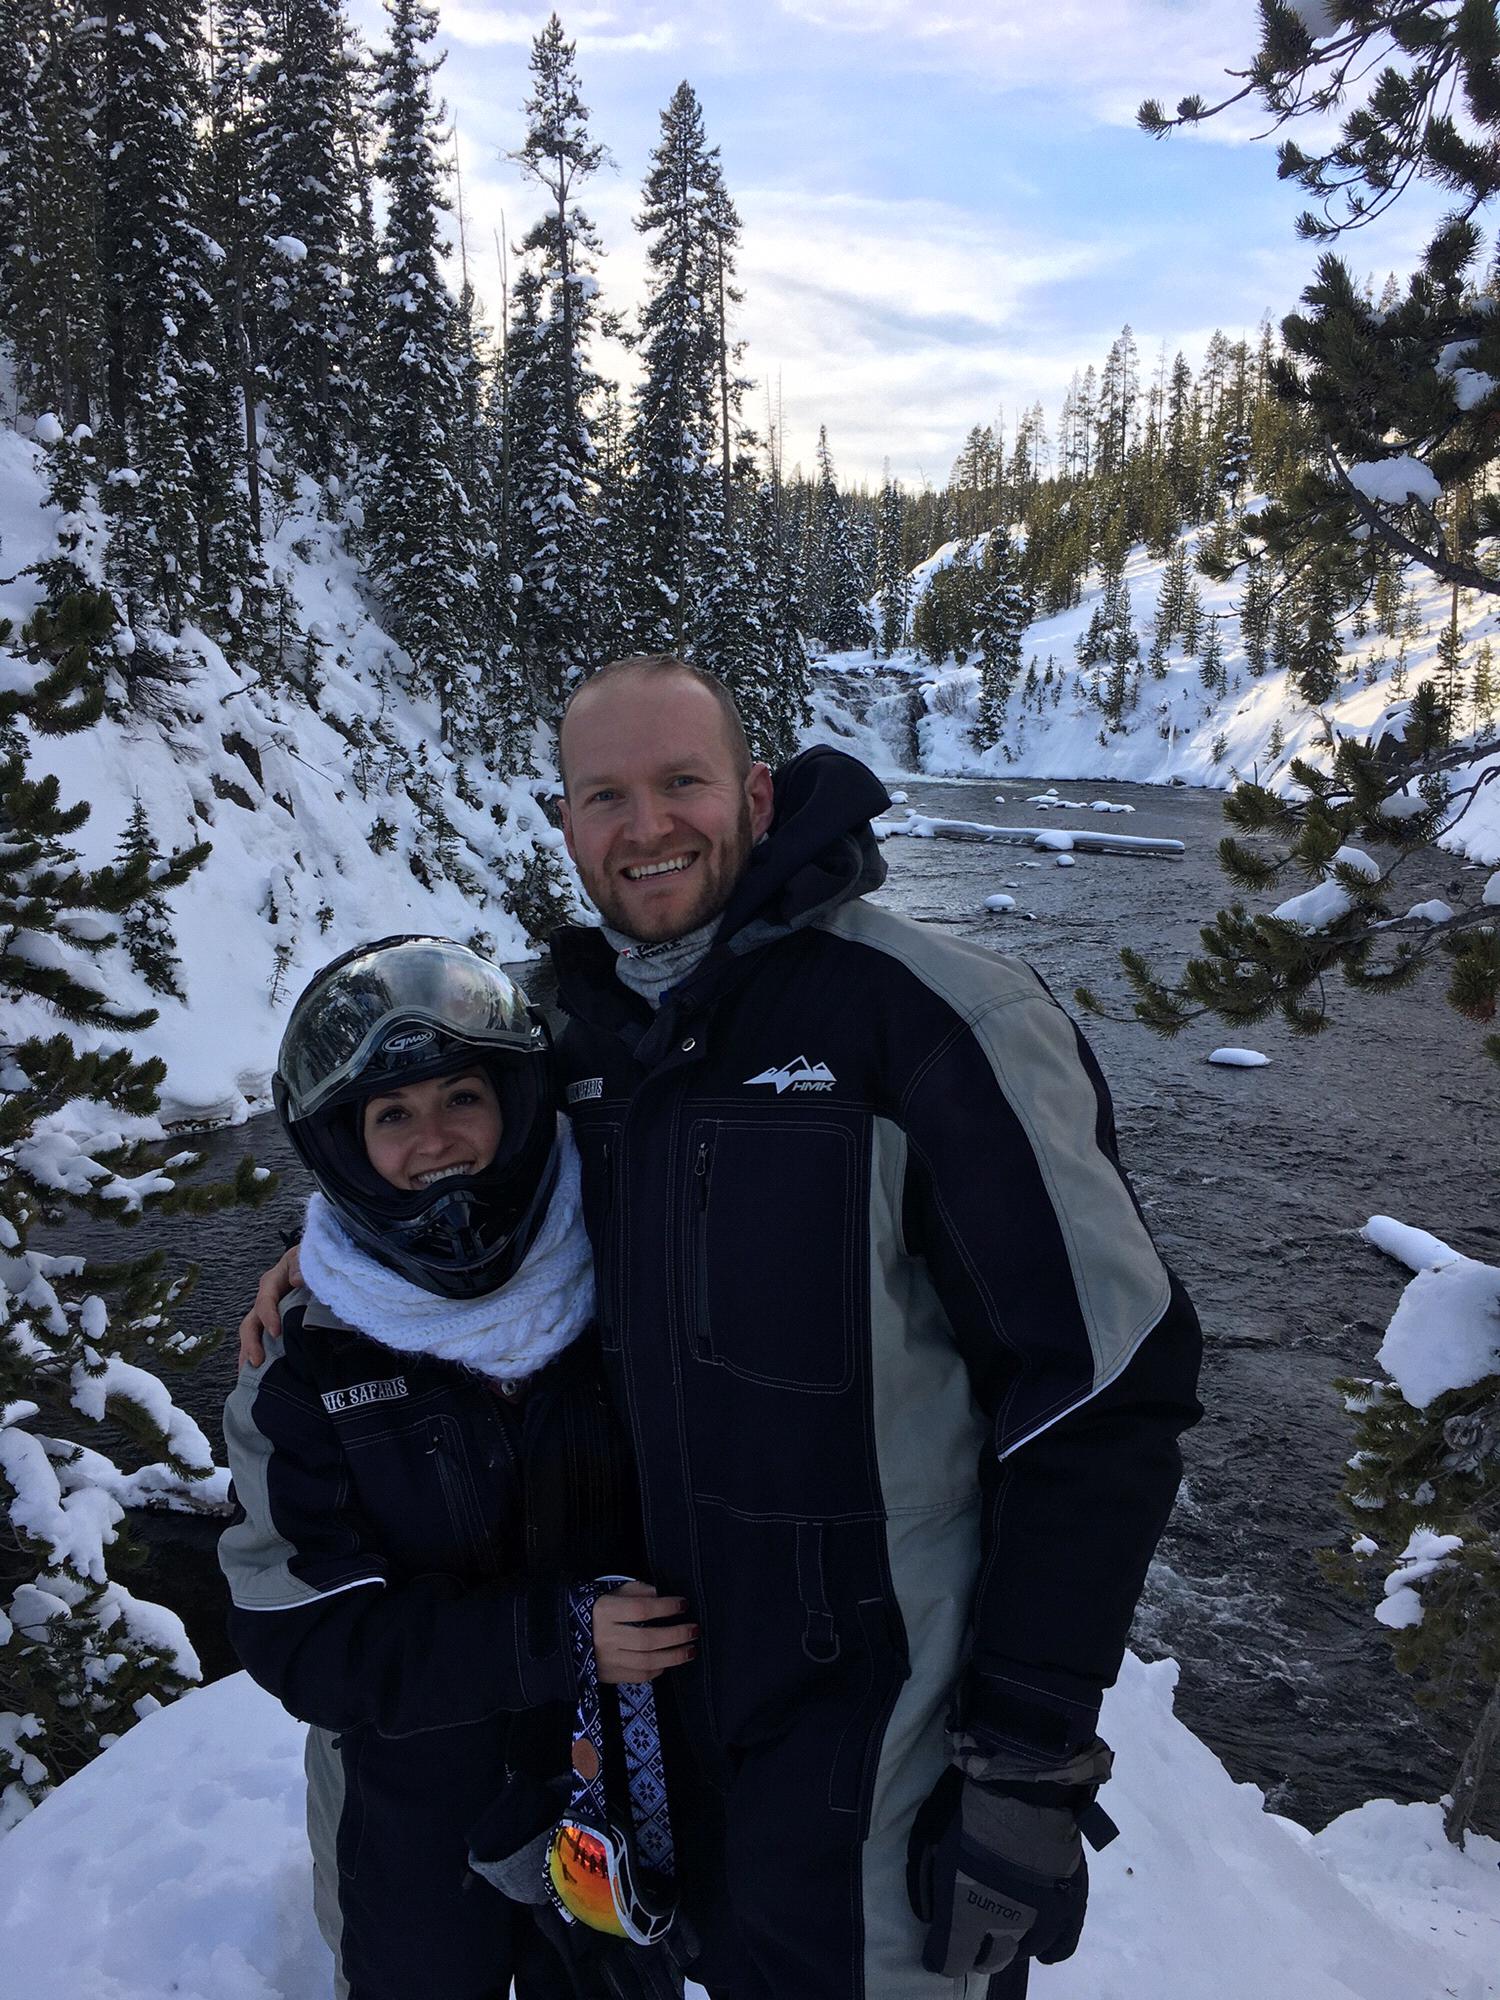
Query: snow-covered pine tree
{"points": [[892, 579], [423, 537], [551, 460], [80, 1658], [1094, 642], [1005, 612], [235, 205], [308, 221], [1424, 1485], [156, 266], [676, 503], [835, 588], [146, 930], [1317, 648], [784, 707], [1121, 681], [1483, 694], [49, 203], [221, 386], [359, 140], [1255, 614]]}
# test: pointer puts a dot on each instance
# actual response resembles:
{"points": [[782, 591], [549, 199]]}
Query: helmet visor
{"points": [[391, 1008]]}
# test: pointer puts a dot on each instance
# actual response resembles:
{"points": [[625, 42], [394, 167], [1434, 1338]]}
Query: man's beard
{"points": [[719, 868]]}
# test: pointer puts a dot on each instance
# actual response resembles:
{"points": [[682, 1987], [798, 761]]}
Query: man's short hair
{"points": [[652, 666]]}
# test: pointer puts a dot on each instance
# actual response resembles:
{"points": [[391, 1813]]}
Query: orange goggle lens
{"points": [[581, 1865]]}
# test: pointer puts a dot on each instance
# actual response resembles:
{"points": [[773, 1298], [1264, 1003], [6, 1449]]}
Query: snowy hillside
{"points": [[330, 823], [177, 1864], [1180, 731]]}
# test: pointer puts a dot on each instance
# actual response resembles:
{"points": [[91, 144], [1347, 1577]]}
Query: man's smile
{"points": [[644, 870]]}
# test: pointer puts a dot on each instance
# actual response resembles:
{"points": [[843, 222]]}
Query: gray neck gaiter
{"points": [[649, 969]]}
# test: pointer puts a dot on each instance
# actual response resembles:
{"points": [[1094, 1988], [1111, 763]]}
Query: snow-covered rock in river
{"points": [[1229, 1058], [1445, 1332]]}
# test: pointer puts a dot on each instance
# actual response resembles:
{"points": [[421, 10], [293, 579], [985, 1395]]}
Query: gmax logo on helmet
{"points": [[405, 1043]]}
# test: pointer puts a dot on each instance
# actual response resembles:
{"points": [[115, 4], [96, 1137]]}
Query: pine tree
{"points": [[307, 227], [835, 589], [1318, 648], [676, 502], [50, 285], [156, 288], [1450, 652], [1211, 669], [1425, 1480], [1483, 692], [80, 1661], [1255, 613], [223, 387], [1004, 614], [147, 927], [1120, 685], [892, 581], [1172, 598], [424, 541], [1192, 621], [551, 454]]}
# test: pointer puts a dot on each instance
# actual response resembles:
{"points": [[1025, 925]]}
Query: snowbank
{"points": [[176, 1864]]}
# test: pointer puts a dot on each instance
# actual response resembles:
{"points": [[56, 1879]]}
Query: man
{"points": [[903, 1370]]}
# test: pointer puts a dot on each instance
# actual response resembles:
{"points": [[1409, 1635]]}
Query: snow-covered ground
{"points": [[176, 1864], [1179, 731]]}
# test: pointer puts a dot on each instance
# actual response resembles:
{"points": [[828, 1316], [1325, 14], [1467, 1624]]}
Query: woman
{"points": [[425, 1462]]}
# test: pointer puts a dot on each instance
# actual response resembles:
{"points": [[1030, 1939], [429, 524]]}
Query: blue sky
{"points": [[947, 208]]}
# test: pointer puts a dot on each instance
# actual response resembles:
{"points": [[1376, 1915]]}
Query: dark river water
{"points": [[1255, 1181]]}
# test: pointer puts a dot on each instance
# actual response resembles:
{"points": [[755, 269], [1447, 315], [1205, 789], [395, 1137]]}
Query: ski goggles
{"points": [[404, 1006], [613, 1873], [593, 1880]]}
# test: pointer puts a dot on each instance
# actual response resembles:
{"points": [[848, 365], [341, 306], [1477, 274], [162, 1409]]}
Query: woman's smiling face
{"points": [[424, 1132]]}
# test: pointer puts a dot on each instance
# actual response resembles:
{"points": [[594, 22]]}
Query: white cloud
{"points": [[901, 323], [1127, 49], [597, 30]]}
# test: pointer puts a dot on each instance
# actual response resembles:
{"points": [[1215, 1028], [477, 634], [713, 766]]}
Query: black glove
{"points": [[995, 1867]]}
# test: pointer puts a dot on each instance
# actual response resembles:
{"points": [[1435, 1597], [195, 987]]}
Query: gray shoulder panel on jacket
{"points": [[255, 1557], [1031, 1047]]}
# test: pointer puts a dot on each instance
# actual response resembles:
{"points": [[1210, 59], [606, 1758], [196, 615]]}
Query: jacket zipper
{"points": [[700, 1332]]}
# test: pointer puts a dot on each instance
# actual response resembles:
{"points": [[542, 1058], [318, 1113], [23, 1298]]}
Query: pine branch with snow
{"points": [[1423, 1488], [1395, 792]]}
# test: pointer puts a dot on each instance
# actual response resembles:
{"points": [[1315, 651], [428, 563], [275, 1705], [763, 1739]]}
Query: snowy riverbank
{"points": [[176, 1864], [906, 714]]}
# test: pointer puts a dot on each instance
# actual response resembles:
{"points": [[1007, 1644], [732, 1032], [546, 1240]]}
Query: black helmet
{"points": [[397, 1012]]}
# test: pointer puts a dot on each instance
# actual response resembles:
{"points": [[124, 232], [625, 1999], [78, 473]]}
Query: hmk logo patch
{"points": [[799, 1074]]}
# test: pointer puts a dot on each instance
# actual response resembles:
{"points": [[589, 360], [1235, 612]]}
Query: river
{"points": [[1255, 1182]]}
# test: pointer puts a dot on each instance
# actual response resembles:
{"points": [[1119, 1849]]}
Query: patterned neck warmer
{"points": [[649, 969]]}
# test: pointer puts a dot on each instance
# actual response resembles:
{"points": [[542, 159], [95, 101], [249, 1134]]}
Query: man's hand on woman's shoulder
{"points": [[264, 1317]]}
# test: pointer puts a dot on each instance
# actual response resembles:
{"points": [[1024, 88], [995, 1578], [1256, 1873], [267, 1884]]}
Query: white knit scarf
{"points": [[507, 1334]]}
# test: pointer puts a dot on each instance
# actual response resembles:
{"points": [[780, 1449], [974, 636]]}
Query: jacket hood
{"points": [[819, 851]]}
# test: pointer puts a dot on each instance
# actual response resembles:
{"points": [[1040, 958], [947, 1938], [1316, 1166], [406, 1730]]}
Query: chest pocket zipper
{"points": [[459, 1498], [700, 1329]]}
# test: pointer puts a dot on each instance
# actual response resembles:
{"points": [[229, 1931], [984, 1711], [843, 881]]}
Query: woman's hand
{"points": [[265, 1315], [626, 1648]]}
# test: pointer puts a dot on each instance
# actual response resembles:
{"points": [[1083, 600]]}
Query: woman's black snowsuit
{"points": [[398, 1568]]}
